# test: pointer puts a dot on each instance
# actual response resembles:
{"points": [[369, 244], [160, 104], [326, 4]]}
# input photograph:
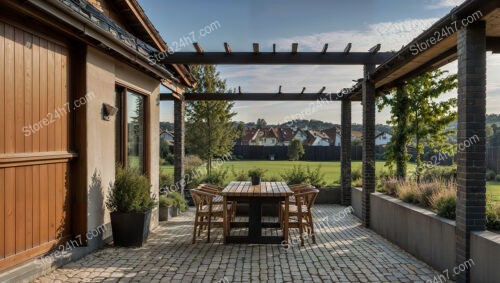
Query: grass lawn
{"points": [[331, 171]]}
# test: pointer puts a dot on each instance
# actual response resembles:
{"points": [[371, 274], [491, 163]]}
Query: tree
{"points": [[261, 123], [295, 150], [209, 130], [418, 117], [494, 140]]}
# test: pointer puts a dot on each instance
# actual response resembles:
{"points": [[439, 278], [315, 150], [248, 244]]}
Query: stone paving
{"points": [[345, 252]]}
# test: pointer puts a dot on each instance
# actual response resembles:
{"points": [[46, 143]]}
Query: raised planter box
{"points": [[356, 201], [328, 195], [485, 252]]}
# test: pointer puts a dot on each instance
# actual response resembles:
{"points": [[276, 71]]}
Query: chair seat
{"points": [[215, 208], [294, 209]]}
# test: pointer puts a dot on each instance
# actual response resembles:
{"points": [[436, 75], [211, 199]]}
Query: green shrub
{"points": [[170, 158], [356, 174], [256, 172], [240, 175], [444, 203], [217, 177], [440, 173], [130, 192], [273, 178], [166, 180], [192, 161], [490, 175], [426, 190], [407, 192], [493, 216], [389, 186], [315, 177], [178, 200], [497, 178], [358, 183], [294, 176], [166, 202]]}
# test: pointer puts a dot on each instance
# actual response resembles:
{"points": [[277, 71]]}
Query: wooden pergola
{"points": [[468, 44]]}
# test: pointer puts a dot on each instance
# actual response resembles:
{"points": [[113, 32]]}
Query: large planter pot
{"points": [[255, 180], [174, 211], [164, 213], [130, 229]]}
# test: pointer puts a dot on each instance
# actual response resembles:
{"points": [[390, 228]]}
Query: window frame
{"points": [[121, 153]]}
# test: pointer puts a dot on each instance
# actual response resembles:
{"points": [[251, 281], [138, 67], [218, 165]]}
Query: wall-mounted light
{"points": [[108, 111]]}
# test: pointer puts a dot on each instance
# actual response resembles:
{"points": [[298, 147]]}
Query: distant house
{"points": [[267, 137], [356, 135], [167, 136], [383, 138], [334, 135], [317, 138], [249, 137]]}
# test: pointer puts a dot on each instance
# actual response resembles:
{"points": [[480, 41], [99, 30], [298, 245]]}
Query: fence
{"points": [[312, 153], [493, 158]]}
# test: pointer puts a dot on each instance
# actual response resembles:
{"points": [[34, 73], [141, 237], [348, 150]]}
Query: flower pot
{"points": [[175, 211], [164, 212], [130, 229], [255, 180]]}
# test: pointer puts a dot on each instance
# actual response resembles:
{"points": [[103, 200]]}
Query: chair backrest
{"points": [[206, 188], [306, 197], [201, 198], [300, 187], [211, 186]]}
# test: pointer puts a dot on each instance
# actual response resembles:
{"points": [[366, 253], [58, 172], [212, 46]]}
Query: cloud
{"points": [[440, 4]]}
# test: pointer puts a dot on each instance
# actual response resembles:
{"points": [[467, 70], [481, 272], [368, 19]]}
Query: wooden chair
{"points": [[300, 212], [218, 199], [206, 210], [295, 189]]}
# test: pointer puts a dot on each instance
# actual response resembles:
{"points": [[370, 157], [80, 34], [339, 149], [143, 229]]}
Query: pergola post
{"points": [[179, 131], [368, 143], [345, 156], [471, 164]]}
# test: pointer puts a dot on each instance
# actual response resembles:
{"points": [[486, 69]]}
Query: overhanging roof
{"points": [[410, 61]]}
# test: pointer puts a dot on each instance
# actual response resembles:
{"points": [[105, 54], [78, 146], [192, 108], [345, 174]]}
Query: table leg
{"points": [[255, 220], [225, 223], [286, 216]]}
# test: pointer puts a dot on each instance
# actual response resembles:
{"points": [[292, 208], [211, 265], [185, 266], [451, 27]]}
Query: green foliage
{"points": [[166, 180], [315, 177], [178, 200], [297, 175], [417, 115], [444, 204], [130, 192], [356, 174], [239, 175], [209, 130], [217, 177], [493, 216], [490, 175], [261, 123], [494, 139], [440, 173], [164, 151], [166, 202], [256, 172], [295, 150], [497, 178]]}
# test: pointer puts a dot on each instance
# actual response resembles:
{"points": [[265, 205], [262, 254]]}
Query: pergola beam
{"points": [[254, 96], [276, 58]]}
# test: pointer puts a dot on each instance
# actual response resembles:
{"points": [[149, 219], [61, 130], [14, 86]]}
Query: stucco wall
{"points": [[418, 231], [102, 74], [356, 201], [485, 252]]}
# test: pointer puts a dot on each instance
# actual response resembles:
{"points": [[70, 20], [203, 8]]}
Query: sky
{"points": [[364, 23]]}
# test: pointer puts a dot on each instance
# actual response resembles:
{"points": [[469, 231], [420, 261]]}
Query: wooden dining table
{"points": [[255, 196]]}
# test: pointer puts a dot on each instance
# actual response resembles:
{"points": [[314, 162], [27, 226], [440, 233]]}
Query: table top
{"points": [[265, 189]]}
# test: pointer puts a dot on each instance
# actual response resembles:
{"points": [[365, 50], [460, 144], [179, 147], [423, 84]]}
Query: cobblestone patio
{"points": [[345, 252]]}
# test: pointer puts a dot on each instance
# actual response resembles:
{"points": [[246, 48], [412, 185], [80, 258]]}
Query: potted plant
{"points": [[166, 205], [256, 174], [179, 203], [130, 203]]}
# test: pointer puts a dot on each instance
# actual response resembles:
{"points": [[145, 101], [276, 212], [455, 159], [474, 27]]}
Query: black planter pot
{"points": [[255, 180], [130, 229]]}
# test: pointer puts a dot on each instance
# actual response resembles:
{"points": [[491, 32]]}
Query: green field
{"points": [[331, 171]]}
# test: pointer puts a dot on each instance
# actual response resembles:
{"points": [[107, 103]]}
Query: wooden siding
{"points": [[34, 169]]}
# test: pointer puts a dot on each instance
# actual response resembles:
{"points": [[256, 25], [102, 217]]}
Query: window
{"points": [[130, 129]]}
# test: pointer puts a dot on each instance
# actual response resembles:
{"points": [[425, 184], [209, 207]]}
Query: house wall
{"points": [[103, 72]]}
